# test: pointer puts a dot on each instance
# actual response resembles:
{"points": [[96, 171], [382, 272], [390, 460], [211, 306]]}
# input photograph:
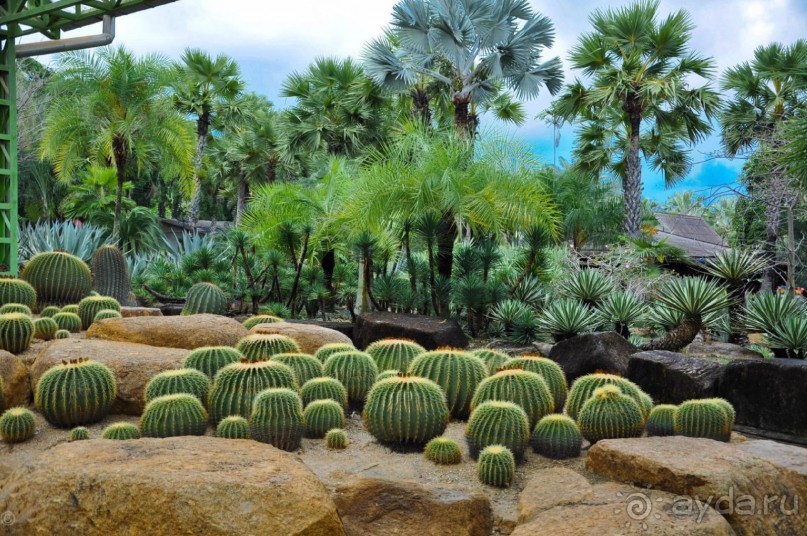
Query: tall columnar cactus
{"points": [[45, 328], [458, 373], [68, 321], [498, 423], [62, 334], [277, 418], [496, 466], [355, 370], [324, 388], [703, 418], [50, 311], [79, 433], [210, 359], [557, 437], [405, 409], [173, 415], [92, 305], [583, 388], [184, 380], [121, 431], [661, 420], [205, 298], [111, 274], [17, 425], [16, 291], [233, 427], [104, 314], [304, 366], [394, 354], [260, 347], [336, 439], [236, 386], [443, 451], [58, 278], [256, 320], [609, 414], [15, 308], [327, 350], [527, 389], [322, 415], [16, 332], [551, 372], [79, 391], [493, 359]]}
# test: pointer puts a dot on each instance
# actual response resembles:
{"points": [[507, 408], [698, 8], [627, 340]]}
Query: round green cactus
{"points": [[703, 418], [277, 418], [121, 431], [443, 451], [493, 359], [79, 433], [210, 359], [103, 314], [394, 354], [50, 311], [327, 350], [551, 372], [16, 291], [496, 466], [405, 409], [58, 278], [68, 321], [16, 332], [15, 308], [184, 380], [79, 391], [336, 439], [256, 320], [527, 389], [609, 414], [62, 334], [17, 425], [324, 388], [356, 370], [557, 436], [498, 423], [304, 366], [729, 409], [73, 309], [45, 328], [457, 372], [236, 386], [173, 415], [322, 415], [110, 273], [660, 422], [260, 347], [205, 298], [233, 427], [92, 305], [584, 387], [383, 375]]}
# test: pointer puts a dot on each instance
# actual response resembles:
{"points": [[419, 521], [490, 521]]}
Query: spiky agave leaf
{"points": [[791, 335], [567, 318], [735, 266], [766, 311], [623, 309], [588, 286], [696, 298]]}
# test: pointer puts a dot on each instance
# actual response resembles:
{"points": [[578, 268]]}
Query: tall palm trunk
{"points": [[446, 235], [632, 180], [202, 131], [462, 116], [119, 150], [420, 105], [241, 203], [773, 220]]}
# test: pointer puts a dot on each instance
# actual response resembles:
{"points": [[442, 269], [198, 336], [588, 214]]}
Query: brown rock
{"points": [[549, 488], [753, 494], [428, 331], [129, 312], [717, 349], [180, 485], [370, 507], [133, 365], [189, 332], [308, 336], [16, 385], [788, 457]]}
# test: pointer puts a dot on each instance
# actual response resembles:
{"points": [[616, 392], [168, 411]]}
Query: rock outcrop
{"points": [[188, 332], [593, 352], [309, 336], [428, 331]]}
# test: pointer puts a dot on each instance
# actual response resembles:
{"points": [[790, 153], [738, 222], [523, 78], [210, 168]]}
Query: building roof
{"points": [[692, 234]]}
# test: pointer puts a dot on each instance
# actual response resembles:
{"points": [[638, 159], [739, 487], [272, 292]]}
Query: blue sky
{"points": [[270, 39]]}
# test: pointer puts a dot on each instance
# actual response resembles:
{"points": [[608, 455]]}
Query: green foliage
{"points": [[324, 388], [622, 310], [766, 311], [81, 240], [15, 308], [111, 274], [184, 380], [493, 359], [695, 297], [458, 373], [59, 278], [253, 321], [62, 334], [557, 437], [92, 305], [173, 415], [70, 322], [327, 350], [277, 418], [443, 451], [703, 418], [355, 370], [584, 387], [660, 421], [49, 311], [233, 427], [322, 415], [791, 335], [209, 359], [336, 439], [550, 371], [394, 354], [304, 366], [259, 347], [16, 332], [104, 314], [496, 466], [45, 328], [79, 433], [17, 425], [16, 291], [236, 386], [77, 392], [589, 286], [526, 389], [735, 266], [498, 423], [609, 414], [205, 298], [121, 431], [567, 318]]}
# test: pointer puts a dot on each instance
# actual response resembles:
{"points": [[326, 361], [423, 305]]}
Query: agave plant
{"points": [[736, 267], [664, 318], [566, 318], [765, 312], [588, 286], [791, 336], [622, 309], [507, 314], [81, 240]]}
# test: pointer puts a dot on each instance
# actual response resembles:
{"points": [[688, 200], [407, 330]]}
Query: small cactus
{"points": [[551, 372], [68, 321], [394, 354], [50, 311], [111, 274], [236, 386], [493, 359], [730, 412], [703, 418], [17, 425], [259, 347], [443, 451], [324, 388], [171, 382], [58, 278], [356, 370], [584, 387], [61, 334], [16, 332], [233, 427], [527, 389], [383, 375], [496, 466], [557, 437], [92, 305], [79, 391], [205, 298], [256, 320], [660, 422], [327, 350], [322, 415], [121, 431], [609, 414], [15, 308], [16, 291], [210, 359], [277, 418], [458, 373], [79, 433], [73, 309], [498, 423], [304, 366], [106, 313], [173, 415], [336, 439], [45, 328]]}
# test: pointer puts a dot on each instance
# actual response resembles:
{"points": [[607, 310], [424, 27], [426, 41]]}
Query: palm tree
{"points": [[201, 83], [685, 203], [472, 48], [639, 102], [112, 110]]}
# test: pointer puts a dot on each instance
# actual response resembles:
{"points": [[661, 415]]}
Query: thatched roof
{"points": [[692, 234]]}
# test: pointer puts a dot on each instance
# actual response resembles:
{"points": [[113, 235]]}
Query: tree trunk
{"points": [[295, 285], [410, 263], [791, 251], [202, 130], [119, 150], [446, 235], [632, 180], [773, 220], [241, 203], [462, 118], [420, 105], [675, 339]]}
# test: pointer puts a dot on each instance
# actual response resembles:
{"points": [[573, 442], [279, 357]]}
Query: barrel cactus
{"points": [[256, 320], [173, 415], [104, 314], [50, 311], [553, 375], [277, 418], [79, 433], [121, 431], [45, 328], [457, 372], [68, 321], [384, 374], [62, 334], [72, 308], [16, 291], [336, 439], [527, 389], [496, 466], [584, 387], [443, 451], [324, 388], [660, 421], [356, 370], [304, 366], [394, 354], [557, 437], [17, 425], [703, 418], [498, 423], [210, 359], [493, 359], [405, 409], [327, 350], [205, 298], [92, 305], [322, 415], [15, 308], [184, 380], [110, 273], [16, 332], [260, 347], [58, 278], [79, 391], [236, 386], [729, 409], [233, 427], [609, 414]]}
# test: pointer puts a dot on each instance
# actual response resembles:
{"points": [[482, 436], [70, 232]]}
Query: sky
{"points": [[272, 38]]}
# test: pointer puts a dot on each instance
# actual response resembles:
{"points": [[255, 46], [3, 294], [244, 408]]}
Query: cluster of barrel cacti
{"points": [[304, 366], [210, 359], [322, 415], [277, 418], [236, 386], [557, 436], [45, 328], [111, 274], [90, 306], [712, 418]]}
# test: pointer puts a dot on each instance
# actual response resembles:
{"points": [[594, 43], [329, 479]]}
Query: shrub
{"points": [[557, 437], [703, 418], [394, 354], [660, 422], [79, 433], [253, 321], [79, 391], [111, 274], [184, 380], [355, 370], [45, 328], [493, 359], [16, 291], [583, 388], [324, 388], [589, 287], [121, 431], [58, 278], [498, 423], [259, 347], [68, 321], [327, 350], [304, 366], [277, 418], [17, 425], [233, 427], [205, 298], [16, 332], [336, 439], [322, 415], [443, 451], [15, 308], [92, 305], [174, 415], [567, 318], [791, 336], [609, 414], [549, 370], [210, 359], [458, 374], [496, 466], [236, 386], [527, 389]]}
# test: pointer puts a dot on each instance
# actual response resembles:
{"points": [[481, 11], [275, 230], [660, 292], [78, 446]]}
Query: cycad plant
{"points": [[567, 318], [622, 309], [765, 311]]}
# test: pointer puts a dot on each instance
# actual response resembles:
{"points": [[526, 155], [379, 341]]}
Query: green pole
{"points": [[9, 229]]}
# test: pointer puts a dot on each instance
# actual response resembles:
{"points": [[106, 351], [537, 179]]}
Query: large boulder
{"points": [[378, 507], [788, 457], [717, 349], [16, 385], [428, 331], [179, 485], [672, 378], [189, 332], [309, 336], [130, 312], [755, 495], [593, 352], [345, 328], [133, 365]]}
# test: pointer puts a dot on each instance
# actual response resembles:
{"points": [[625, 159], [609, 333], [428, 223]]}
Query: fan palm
{"points": [[686, 203]]}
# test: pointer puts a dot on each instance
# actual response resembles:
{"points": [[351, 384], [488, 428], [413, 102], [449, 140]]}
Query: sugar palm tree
{"points": [[639, 101], [686, 203]]}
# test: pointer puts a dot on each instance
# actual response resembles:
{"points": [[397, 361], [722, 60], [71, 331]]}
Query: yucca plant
{"points": [[567, 318], [791, 336], [765, 312], [736, 268], [622, 309], [588, 286]]}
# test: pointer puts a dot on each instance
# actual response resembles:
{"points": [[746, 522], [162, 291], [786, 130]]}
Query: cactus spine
{"points": [[92, 305], [394, 354], [496, 466], [16, 291], [17, 425], [70, 309], [79, 433], [236, 386], [443, 451], [205, 298], [557, 437], [336, 439], [549, 370], [660, 422], [458, 373], [703, 418], [62, 334], [45, 328], [111, 274], [584, 387], [729, 409], [356, 370], [173, 415], [498, 423], [327, 350], [210, 359], [49, 311], [322, 415], [68, 321], [256, 320], [16, 332], [79, 391], [103, 314], [171, 382], [233, 427], [324, 388], [493, 359], [277, 418], [15, 308], [304, 366], [58, 278], [259, 347], [527, 389], [609, 414], [121, 431]]}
